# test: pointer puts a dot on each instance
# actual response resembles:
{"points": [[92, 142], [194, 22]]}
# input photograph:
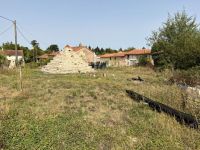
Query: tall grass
{"points": [[83, 111]]}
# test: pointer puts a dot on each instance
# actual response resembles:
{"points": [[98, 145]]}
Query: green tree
{"points": [[10, 46], [36, 51], [89, 47], [129, 49], [2, 60], [52, 47], [179, 41], [96, 50]]}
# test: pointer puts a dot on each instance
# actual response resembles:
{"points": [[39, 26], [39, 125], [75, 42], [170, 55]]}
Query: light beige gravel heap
{"points": [[67, 61]]}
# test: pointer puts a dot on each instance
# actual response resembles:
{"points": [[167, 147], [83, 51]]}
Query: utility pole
{"points": [[36, 54], [16, 51]]}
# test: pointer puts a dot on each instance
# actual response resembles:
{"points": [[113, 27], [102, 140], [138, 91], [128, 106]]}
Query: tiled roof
{"points": [[119, 54], [132, 52], [44, 56], [54, 53], [12, 52], [139, 52]]}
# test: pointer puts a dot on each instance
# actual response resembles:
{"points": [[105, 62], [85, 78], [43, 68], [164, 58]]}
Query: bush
{"points": [[178, 40], [33, 65], [190, 77], [44, 62], [143, 60], [3, 61]]}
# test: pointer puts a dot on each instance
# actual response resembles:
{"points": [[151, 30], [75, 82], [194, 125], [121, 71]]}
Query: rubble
{"points": [[66, 62]]}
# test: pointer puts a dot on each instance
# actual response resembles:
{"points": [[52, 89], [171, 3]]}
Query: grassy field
{"points": [[87, 111]]}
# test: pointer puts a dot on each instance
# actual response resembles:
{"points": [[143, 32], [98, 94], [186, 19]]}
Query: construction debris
{"points": [[137, 80], [181, 117], [98, 65], [66, 62]]}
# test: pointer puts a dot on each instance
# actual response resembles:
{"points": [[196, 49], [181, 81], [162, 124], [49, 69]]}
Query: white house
{"points": [[11, 56]]}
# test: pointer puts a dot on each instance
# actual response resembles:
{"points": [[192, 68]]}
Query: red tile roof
{"points": [[12, 52], [132, 52], [139, 52], [54, 53], [119, 54], [44, 56]]}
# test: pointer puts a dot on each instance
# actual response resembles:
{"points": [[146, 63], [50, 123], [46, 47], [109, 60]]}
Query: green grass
{"points": [[83, 111]]}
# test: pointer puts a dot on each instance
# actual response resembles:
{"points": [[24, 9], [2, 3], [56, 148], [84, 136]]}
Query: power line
{"points": [[5, 30], [24, 37], [32, 35], [6, 18]]}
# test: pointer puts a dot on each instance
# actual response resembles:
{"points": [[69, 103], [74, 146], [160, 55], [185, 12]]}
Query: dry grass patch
{"points": [[83, 111]]}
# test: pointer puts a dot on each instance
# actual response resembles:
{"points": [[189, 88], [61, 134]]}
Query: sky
{"points": [[104, 23]]}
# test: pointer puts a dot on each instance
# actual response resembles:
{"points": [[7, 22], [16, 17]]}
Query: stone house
{"points": [[11, 57], [83, 51], [129, 58]]}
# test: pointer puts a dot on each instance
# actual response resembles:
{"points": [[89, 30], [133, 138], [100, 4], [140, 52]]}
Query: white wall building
{"points": [[10, 55], [129, 58]]}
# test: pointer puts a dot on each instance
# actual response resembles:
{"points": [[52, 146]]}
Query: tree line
{"points": [[30, 55], [101, 51]]}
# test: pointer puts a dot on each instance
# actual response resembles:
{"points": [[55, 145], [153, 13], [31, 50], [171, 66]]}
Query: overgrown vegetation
{"points": [[83, 111], [3, 61], [187, 77], [178, 41]]}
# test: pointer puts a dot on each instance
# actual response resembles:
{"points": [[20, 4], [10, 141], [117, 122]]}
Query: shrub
{"points": [[178, 40], [190, 77], [3, 61], [143, 60]]}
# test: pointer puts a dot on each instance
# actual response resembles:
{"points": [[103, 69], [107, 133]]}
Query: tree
{"points": [[35, 46], [129, 49], [2, 60], [178, 40], [9, 46], [34, 43], [52, 47], [89, 47], [120, 49], [143, 47], [36, 51], [96, 51]]}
